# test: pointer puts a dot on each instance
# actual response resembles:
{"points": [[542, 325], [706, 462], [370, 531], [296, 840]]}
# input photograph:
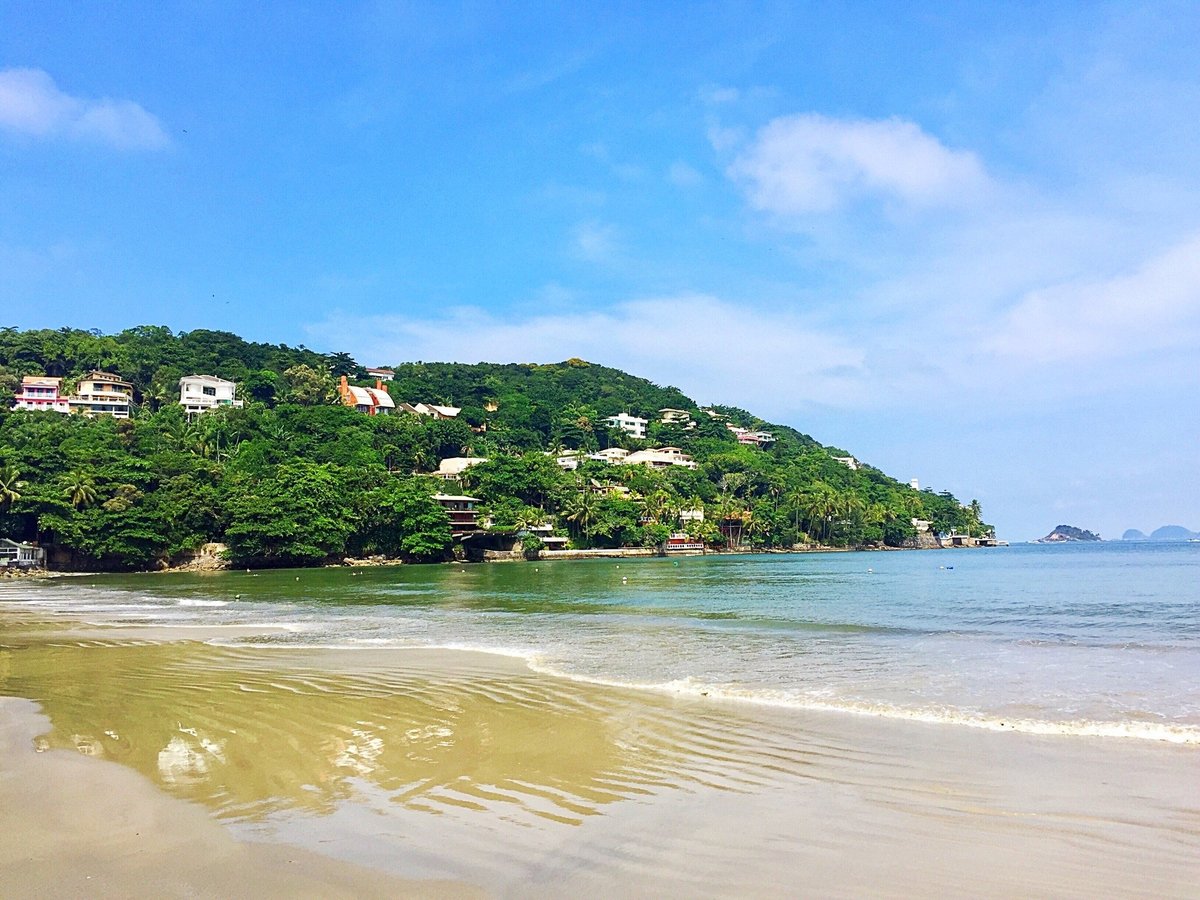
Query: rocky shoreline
{"points": [[211, 560]]}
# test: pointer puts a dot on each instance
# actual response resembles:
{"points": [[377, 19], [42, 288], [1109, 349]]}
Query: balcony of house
{"points": [[464, 518]]}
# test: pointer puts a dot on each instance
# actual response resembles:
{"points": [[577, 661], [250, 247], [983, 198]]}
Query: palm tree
{"points": [[658, 506], [10, 481], [582, 511], [820, 506], [80, 489]]}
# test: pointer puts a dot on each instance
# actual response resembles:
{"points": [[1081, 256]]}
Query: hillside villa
{"points": [[660, 458], [200, 393], [610, 455], [102, 393], [461, 509], [374, 401], [382, 374], [631, 425], [669, 416], [452, 468], [749, 437], [431, 410], [41, 393]]}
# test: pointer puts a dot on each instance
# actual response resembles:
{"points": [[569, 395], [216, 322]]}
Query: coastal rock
{"points": [[1066, 534]]}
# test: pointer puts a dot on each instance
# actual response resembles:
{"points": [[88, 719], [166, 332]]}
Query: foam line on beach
{"points": [[1145, 731], [535, 660]]}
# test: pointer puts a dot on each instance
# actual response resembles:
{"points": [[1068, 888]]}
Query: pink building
{"points": [[39, 392]]}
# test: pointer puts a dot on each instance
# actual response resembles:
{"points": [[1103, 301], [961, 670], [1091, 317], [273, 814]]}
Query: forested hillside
{"points": [[294, 478]]}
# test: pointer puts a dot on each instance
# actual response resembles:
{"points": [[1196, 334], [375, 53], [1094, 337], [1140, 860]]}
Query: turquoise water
{"points": [[1096, 639]]}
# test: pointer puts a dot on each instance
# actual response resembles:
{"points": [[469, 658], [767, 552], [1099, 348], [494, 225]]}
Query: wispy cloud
{"points": [[594, 242], [713, 349], [1157, 306], [535, 79], [683, 175], [32, 104], [804, 164]]}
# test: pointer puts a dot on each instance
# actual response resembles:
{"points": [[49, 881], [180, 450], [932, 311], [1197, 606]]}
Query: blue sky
{"points": [[959, 240]]}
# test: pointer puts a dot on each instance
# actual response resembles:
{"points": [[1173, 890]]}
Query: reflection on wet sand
{"points": [[445, 764], [252, 732]]}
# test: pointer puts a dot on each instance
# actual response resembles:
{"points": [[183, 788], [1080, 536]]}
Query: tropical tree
{"points": [[581, 510], [10, 484], [80, 489]]}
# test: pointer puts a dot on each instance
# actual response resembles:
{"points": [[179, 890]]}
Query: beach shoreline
{"points": [[543, 783]]}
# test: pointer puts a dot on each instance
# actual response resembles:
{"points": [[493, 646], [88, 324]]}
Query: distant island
{"points": [[1066, 534], [1165, 533]]}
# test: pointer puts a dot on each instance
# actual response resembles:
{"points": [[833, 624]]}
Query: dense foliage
{"points": [[294, 478]]}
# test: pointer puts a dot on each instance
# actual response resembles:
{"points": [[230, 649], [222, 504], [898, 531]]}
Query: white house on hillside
{"points": [[432, 410], [198, 393], [629, 424], [452, 468], [610, 455], [661, 458]]}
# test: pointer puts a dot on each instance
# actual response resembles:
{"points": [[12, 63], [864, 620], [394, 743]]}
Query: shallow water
{"points": [[315, 709], [1100, 639]]}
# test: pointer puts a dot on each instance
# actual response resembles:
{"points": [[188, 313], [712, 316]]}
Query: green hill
{"points": [[296, 478]]}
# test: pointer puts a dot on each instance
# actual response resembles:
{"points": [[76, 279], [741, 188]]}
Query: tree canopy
{"points": [[295, 478]]}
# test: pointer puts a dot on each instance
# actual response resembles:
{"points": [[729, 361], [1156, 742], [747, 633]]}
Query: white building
{"points": [[568, 459], [452, 468], [848, 461], [102, 394], [40, 393], [198, 393], [629, 424], [610, 455], [696, 514], [432, 410], [21, 555], [669, 416], [661, 458], [382, 374]]}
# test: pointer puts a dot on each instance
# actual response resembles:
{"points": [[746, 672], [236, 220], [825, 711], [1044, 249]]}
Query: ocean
{"points": [[1100, 640]]}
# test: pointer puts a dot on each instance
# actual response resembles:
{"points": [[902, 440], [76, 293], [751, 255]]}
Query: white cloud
{"points": [[594, 242], [1155, 307], [770, 361], [714, 95], [682, 175], [31, 103], [813, 164]]}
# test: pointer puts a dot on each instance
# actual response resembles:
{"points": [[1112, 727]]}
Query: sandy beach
{"points": [[171, 767]]}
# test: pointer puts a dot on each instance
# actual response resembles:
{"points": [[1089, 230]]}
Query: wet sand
{"points": [[180, 768], [77, 827]]}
